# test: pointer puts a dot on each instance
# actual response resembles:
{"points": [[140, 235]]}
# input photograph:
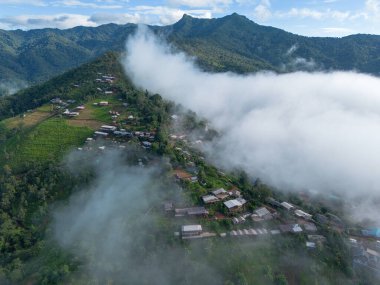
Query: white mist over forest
{"points": [[302, 130]]}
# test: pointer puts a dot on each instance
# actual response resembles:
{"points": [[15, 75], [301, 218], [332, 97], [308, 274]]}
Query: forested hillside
{"points": [[134, 232], [231, 43]]}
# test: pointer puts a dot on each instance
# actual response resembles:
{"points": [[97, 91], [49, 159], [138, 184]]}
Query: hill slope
{"points": [[231, 43]]}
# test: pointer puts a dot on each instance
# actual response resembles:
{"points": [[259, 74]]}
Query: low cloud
{"points": [[115, 226], [318, 131]]}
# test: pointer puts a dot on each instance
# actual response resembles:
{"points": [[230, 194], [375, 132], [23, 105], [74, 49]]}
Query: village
{"points": [[241, 216]]}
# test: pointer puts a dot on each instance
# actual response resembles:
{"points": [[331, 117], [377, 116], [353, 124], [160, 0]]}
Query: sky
{"points": [[309, 17]]}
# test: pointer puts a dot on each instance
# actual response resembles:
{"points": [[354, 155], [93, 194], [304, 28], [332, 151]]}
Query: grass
{"points": [[50, 140]]}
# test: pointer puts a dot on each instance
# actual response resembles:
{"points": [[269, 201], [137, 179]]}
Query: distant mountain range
{"points": [[232, 43]]}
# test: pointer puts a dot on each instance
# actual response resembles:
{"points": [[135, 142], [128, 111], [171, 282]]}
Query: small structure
{"points": [[209, 199], [168, 207], [238, 220], [261, 214], [103, 103], [56, 101], [287, 206], [107, 128], [191, 230], [372, 232], [146, 144], [234, 192], [100, 134], [193, 211], [235, 204], [319, 239], [310, 227], [70, 113], [273, 202], [310, 244], [220, 193], [81, 107], [292, 228], [302, 214]]}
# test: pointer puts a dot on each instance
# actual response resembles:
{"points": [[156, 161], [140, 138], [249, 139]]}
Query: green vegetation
{"points": [[231, 43], [50, 140], [33, 180]]}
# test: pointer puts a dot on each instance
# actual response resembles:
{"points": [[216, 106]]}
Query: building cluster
{"points": [[366, 254]]}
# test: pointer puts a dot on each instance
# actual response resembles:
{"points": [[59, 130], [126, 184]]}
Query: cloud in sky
{"points": [[311, 18], [317, 131], [60, 21]]}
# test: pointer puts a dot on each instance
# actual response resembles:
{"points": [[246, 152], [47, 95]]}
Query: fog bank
{"points": [[318, 131], [116, 230]]}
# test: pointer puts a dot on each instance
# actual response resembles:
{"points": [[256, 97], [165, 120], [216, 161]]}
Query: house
{"points": [[302, 214], [70, 113], [292, 228], [310, 227], [209, 199], [107, 128], [235, 204], [220, 193], [317, 238], [238, 220], [56, 101], [273, 202], [261, 214], [372, 232], [193, 211], [103, 103], [168, 207], [234, 192], [146, 144], [287, 206], [100, 134], [191, 230], [123, 134]]}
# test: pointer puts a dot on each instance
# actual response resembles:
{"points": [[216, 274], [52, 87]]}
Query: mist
{"points": [[115, 227], [9, 88], [318, 131]]}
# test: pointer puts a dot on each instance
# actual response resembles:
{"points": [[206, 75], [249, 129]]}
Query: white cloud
{"points": [[19, 2], [163, 15], [75, 3], [105, 18], [262, 11], [60, 21], [316, 131], [200, 3]]}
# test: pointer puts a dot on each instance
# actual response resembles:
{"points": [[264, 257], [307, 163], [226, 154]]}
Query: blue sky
{"points": [[307, 17]]}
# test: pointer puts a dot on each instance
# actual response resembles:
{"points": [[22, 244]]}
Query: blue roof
{"points": [[374, 232]]}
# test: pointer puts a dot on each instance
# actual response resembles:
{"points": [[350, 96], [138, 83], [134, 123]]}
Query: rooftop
{"points": [[191, 228]]}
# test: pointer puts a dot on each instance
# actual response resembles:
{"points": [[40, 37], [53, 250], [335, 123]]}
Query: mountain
{"points": [[38, 181], [231, 43], [38, 55], [236, 43]]}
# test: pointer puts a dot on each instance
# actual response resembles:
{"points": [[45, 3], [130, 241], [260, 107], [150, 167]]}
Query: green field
{"points": [[50, 140]]}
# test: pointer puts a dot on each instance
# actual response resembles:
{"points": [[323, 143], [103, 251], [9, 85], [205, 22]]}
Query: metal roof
{"points": [[262, 212], [232, 203], [191, 228]]}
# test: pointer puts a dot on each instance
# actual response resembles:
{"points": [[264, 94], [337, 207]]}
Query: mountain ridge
{"points": [[231, 43]]}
